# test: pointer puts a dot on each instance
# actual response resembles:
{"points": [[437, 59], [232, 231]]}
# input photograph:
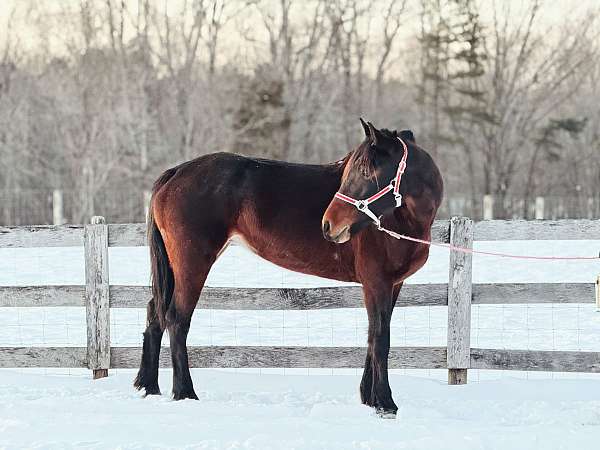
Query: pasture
{"points": [[309, 405]]}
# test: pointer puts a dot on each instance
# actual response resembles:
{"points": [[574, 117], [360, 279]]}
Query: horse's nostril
{"points": [[326, 227]]}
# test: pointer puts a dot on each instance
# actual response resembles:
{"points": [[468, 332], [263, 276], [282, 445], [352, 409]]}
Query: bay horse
{"points": [[295, 216]]}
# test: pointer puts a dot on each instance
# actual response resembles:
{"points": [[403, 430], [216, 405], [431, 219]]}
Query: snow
{"points": [[302, 408], [249, 411], [238, 267]]}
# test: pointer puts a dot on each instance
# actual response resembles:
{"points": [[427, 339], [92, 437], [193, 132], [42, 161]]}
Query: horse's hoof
{"points": [[386, 413], [151, 390], [183, 395]]}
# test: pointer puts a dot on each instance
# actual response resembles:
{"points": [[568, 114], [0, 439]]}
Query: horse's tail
{"points": [[163, 281]]}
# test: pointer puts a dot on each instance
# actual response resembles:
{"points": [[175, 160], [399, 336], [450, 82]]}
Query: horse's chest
{"points": [[413, 261]]}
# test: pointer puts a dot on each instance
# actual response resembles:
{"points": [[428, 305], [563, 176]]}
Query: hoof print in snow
{"points": [[386, 413]]}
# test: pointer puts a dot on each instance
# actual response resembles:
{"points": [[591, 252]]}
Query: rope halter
{"points": [[393, 186]]}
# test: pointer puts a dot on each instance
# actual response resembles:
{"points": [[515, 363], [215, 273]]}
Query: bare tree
{"points": [[524, 68], [112, 92]]}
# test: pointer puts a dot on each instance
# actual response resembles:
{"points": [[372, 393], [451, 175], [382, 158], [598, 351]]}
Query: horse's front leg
{"points": [[375, 387], [366, 383]]}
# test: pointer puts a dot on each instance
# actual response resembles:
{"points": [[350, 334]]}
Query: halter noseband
{"points": [[394, 185]]}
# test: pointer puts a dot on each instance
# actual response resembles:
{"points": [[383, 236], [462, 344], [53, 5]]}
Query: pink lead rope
{"points": [[481, 252], [363, 206]]}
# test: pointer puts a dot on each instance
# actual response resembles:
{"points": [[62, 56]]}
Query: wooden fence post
{"points": [[539, 208], [58, 217], [459, 301], [488, 207], [97, 297], [598, 293], [147, 195]]}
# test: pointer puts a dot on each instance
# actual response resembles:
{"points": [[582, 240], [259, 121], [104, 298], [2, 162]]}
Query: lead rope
{"points": [[481, 252], [394, 186]]}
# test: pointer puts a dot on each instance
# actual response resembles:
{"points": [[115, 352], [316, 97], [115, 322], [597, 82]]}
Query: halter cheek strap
{"points": [[394, 186]]}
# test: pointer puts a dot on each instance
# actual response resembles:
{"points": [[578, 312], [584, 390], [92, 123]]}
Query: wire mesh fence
{"points": [[36, 206], [573, 327]]}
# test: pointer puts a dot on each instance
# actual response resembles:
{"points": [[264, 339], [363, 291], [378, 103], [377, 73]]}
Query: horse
{"points": [[300, 217]]}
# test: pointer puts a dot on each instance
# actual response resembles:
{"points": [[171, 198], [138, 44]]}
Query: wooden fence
{"points": [[23, 206], [98, 296]]}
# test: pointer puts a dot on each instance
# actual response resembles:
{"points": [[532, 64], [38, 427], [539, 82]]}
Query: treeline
{"points": [[98, 95]]}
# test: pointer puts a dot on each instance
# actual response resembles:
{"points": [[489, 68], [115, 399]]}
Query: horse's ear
{"points": [[373, 133], [365, 127], [407, 135]]}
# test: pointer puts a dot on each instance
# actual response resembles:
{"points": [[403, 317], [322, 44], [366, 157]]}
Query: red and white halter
{"points": [[394, 185], [363, 206]]}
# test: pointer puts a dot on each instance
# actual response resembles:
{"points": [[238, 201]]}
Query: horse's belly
{"points": [[321, 260]]}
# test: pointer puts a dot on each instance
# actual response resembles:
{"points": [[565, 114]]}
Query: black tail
{"points": [[163, 281]]}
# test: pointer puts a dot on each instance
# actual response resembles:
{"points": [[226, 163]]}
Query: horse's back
{"points": [[198, 190], [273, 207], [264, 182]]}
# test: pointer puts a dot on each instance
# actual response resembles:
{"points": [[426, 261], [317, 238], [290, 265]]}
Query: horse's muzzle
{"points": [[337, 236]]}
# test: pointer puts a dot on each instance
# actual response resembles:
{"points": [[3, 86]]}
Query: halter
{"points": [[394, 186], [363, 206]]}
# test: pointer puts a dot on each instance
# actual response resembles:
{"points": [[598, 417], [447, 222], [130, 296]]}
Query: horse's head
{"points": [[368, 170]]}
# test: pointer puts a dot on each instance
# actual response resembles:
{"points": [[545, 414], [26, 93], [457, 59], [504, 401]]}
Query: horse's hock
{"points": [[98, 296]]}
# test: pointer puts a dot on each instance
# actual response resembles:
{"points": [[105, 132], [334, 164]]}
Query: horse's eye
{"points": [[367, 170]]}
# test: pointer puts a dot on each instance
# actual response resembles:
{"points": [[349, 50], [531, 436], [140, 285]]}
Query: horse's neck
{"points": [[405, 221]]}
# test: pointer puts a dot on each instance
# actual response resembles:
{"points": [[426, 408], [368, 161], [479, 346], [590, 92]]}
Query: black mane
{"points": [[363, 157]]}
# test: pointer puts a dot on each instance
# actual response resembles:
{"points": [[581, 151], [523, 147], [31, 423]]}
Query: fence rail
{"points": [[134, 234], [98, 296], [23, 206], [224, 298], [309, 357]]}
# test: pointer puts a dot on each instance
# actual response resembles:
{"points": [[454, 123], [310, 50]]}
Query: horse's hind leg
{"points": [[147, 377], [179, 317], [191, 269]]}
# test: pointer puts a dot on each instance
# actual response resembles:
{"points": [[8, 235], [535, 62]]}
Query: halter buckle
{"points": [[361, 205], [398, 198]]}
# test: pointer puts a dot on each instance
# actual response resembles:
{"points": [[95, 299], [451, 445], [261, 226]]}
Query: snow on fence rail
{"points": [[98, 296]]}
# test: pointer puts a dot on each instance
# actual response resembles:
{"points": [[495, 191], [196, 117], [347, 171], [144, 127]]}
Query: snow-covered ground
{"points": [[249, 411], [265, 408]]}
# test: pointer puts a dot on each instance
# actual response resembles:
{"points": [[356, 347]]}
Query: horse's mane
{"points": [[363, 156]]}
